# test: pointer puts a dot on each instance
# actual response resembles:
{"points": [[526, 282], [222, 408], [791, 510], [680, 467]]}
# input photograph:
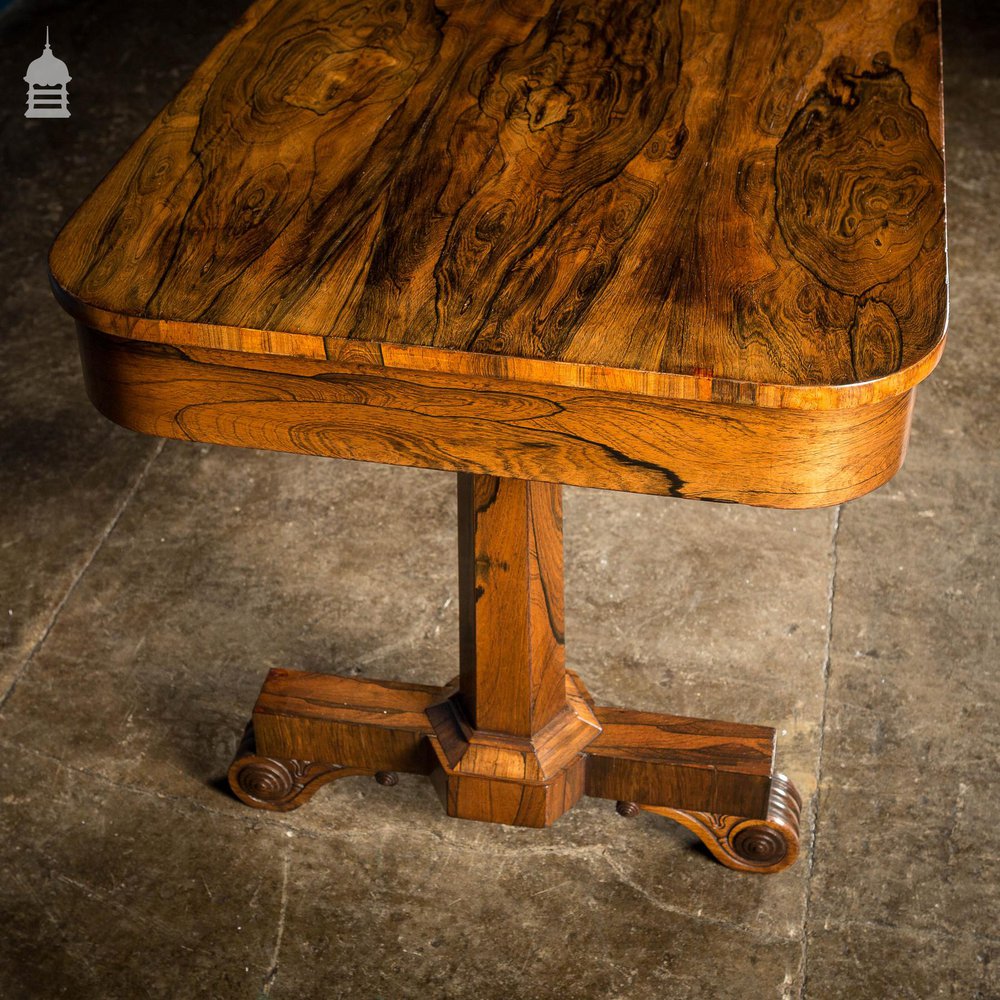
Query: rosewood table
{"points": [[681, 248]]}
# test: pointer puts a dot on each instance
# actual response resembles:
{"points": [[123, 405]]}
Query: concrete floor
{"points": [[147, 587]]}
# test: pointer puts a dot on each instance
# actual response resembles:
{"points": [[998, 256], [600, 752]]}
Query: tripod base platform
{"points": [[715, 778]]}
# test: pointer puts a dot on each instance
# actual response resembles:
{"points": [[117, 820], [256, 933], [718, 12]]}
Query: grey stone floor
{"points": [[146, 588]]}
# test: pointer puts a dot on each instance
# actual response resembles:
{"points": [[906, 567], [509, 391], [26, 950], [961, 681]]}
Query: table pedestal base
{"points": [[310, 729], [517, 738]]}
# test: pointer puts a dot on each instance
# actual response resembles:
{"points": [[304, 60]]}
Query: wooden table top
{"points": [[684, 200]]}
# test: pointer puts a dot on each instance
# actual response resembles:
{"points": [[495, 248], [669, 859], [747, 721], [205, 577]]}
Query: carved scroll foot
{"points": [[764, 846], [278, 784]]}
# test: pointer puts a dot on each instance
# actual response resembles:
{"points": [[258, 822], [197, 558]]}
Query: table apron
{"points": [[698, 450]]}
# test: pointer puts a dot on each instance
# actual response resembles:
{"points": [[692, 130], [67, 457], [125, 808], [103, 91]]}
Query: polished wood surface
{"points": [[329, 711], [693, 249], [517, 738], [714, 778], [500, 777], [764, 846], [708, 451], [674, 199], [695, 764], [510, 585], [510, 742]]}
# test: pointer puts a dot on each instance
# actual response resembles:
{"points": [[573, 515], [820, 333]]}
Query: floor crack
{"points": [[61, 603], [272, 971], [831, 595], [661, 904]]}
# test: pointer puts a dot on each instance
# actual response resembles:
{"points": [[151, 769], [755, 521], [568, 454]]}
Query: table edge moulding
{"points": [[657, 247]]}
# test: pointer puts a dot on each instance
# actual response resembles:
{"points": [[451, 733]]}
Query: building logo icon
{"points": [[47, 78]]}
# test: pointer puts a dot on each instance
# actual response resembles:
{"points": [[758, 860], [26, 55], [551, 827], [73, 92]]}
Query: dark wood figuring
{"points": [[510, 586], [645, 196], [661, 246], [510, 742], [517, 738], [695, 764], [712, 451], [714, 778], [328, 712]]}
